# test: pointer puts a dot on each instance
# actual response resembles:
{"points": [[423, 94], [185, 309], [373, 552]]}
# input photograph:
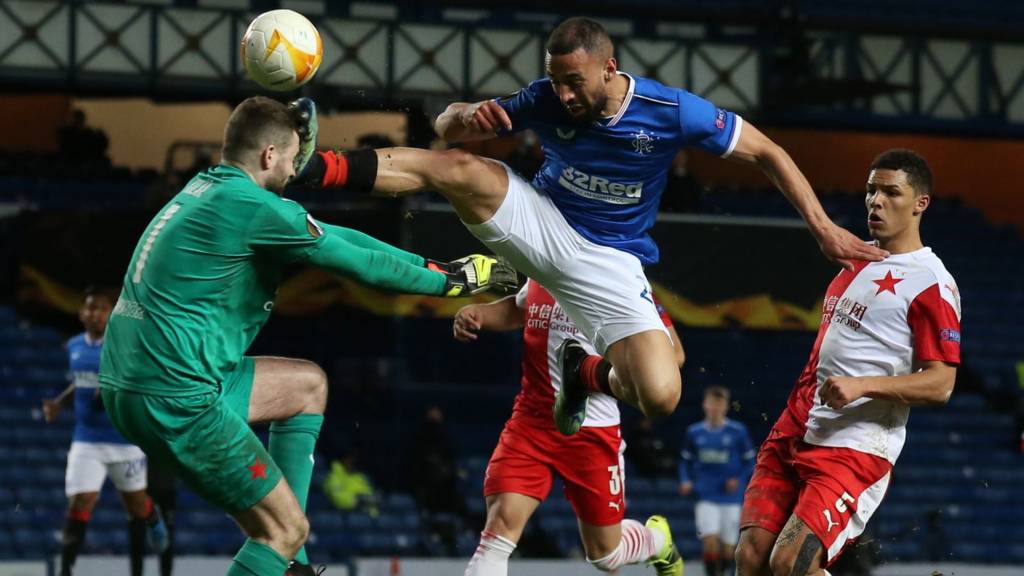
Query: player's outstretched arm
{"points": [[500, 316], [53, 406], [464, 121], [837, 243], [932, 383]]}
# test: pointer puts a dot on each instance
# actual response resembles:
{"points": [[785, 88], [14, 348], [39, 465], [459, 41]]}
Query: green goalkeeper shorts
{"points": [[205, 438]]}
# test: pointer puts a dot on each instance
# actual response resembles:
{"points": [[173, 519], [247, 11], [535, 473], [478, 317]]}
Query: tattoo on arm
{"points": [[805, 557]]}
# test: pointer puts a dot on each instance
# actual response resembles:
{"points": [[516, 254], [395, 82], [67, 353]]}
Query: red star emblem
{"points": [[887, 284], [258, 469]]}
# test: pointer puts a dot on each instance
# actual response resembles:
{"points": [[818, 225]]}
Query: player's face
{"points": [[892, 204], [282, 168], [94, 314], [715, 407], [580, 80]]}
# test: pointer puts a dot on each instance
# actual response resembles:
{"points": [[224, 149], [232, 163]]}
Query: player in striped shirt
{"points": [[889, 339], [531, 451]]}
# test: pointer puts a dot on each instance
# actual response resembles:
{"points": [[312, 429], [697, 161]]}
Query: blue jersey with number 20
{"points": [[607, 176]]}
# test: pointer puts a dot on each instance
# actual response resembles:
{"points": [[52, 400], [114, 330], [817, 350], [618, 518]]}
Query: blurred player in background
{"points": [[199, 287], [530, 450], [580, 228], [889, 338], [717, 460], [97, 450]]}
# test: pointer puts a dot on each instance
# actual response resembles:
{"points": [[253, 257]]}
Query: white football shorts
{"points": [[722, 520], [604, 290], [89, 463]]}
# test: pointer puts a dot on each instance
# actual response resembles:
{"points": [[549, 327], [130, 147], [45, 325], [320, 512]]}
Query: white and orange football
{"points": [[281, 50]]}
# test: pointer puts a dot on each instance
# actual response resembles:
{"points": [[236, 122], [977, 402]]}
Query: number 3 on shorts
{"points": [[144, 255], [615, 483]]}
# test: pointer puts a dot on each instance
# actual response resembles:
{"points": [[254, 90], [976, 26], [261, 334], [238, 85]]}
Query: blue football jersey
{"points": [[607, 177], [91, 421], [711, 456]]}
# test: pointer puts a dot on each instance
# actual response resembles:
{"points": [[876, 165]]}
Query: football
{"points": [[281, 50]]}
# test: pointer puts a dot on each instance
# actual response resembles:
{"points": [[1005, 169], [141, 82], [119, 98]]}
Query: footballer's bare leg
{"points": [[474, 186], [507, 514], [276, 521], [285, 387], [753, 551], [797, 551], [599, 541], [645, 373]]}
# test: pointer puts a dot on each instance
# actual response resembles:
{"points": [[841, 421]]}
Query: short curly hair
{"points": [[919, 174]]}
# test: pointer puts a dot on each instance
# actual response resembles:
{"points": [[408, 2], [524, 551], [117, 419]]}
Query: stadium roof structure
{"points": [[795, 63]]}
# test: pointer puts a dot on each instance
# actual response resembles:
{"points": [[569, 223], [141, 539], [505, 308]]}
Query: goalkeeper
{"points": [[200, 285]]}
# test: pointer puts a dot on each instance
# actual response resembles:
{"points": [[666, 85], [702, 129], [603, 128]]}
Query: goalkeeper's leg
{"points": [[292, 395], [276, 528]]}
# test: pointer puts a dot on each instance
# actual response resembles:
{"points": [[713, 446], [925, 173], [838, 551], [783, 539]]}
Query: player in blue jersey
{"points": [[98, 450], [718, 458], [580, 228]]}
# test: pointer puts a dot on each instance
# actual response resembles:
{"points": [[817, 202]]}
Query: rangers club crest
{"points": [[642, 143]]}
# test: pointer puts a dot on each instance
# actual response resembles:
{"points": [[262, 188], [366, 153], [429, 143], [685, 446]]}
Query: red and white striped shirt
{"points": [[876, 321]]}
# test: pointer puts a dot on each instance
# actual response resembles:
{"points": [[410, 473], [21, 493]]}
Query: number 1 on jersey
{"points": [[140, 265]]}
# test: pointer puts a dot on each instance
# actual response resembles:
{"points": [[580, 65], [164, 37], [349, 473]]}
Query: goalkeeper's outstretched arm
{"points": [[376, 267], [371, 261], [369, 242]]}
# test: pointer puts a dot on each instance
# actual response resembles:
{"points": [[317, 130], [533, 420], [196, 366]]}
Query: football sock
{"points": [[728, 566], [712, 565], [257, 559], [491, 556], [137, 544], [639, 543], [594, 373], [355, 170], [72, 538], [167, 557], [291, 446]]}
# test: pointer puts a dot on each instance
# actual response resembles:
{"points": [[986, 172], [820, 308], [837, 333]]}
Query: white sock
{"points": [[639, 543], [491, 556]]}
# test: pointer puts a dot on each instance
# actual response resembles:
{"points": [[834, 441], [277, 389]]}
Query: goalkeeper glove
{"points": [[476, 273], [304, 112]]}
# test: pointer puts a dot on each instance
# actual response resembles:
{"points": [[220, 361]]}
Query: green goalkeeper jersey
{"points": [[202, 280]]}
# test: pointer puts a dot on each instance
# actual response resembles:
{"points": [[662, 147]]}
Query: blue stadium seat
{"points": [[359, 521], [327, 520], [33, 542], [399, 501], [188, 540]]}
